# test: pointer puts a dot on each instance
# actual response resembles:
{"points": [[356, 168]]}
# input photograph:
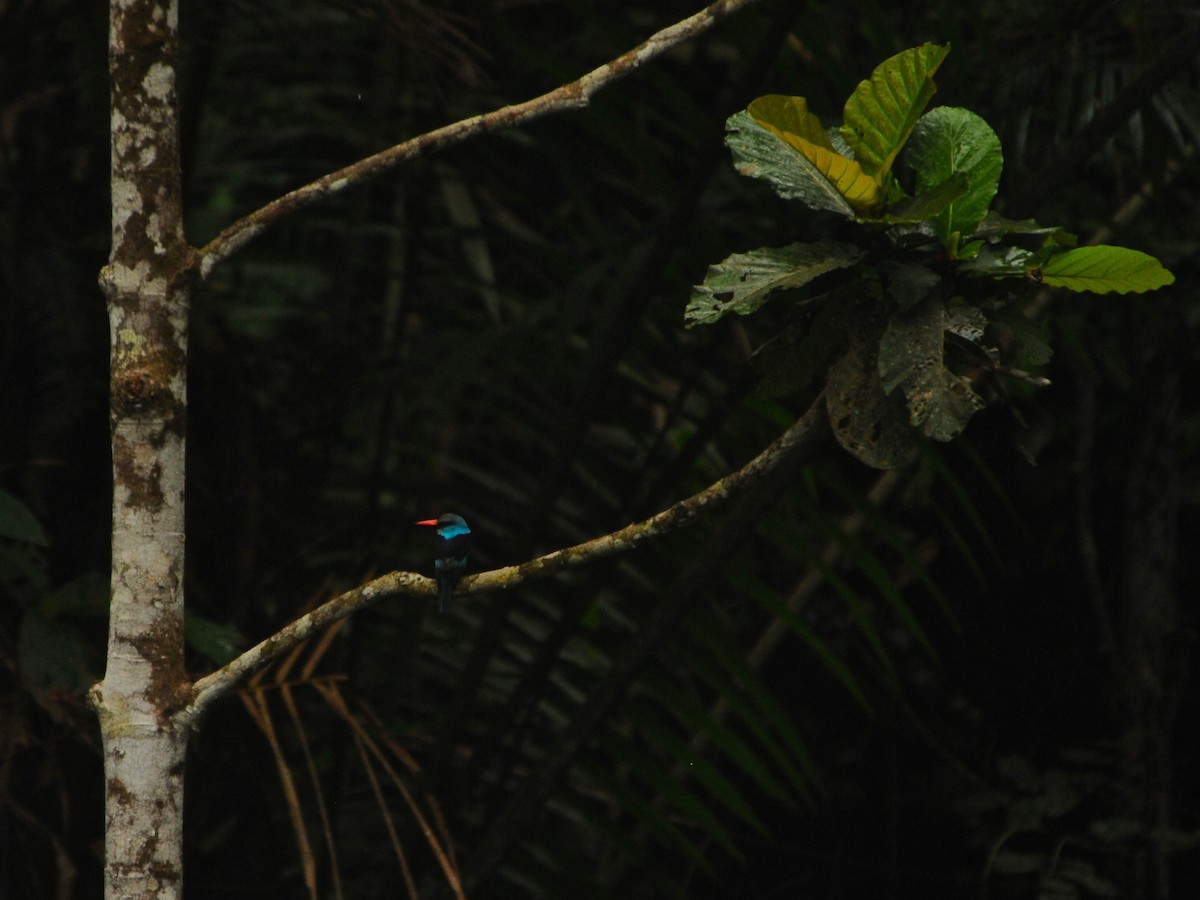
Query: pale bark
{"points": [[145, 283], [145, 704]]}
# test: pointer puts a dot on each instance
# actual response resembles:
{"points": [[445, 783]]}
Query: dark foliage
{"points": [[971, 682]]}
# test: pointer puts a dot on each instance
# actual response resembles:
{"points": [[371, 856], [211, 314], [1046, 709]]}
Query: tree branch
{"points": [[575, 95], [806, 430], [755, 495]]}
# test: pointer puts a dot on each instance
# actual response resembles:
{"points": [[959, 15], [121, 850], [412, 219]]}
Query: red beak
{"points": [[428, 522]]}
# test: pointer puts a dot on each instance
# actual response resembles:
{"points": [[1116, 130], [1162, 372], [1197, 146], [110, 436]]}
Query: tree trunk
{"points": [[146, 285], [145, 703]]}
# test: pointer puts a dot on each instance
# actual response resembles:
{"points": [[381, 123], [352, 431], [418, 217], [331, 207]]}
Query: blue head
{"points": [[452, 546]]}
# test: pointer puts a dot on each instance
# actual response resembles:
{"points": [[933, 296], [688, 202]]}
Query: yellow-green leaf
{"points": [[884, 109], [791, 115], [759, 152], [789, 119]]}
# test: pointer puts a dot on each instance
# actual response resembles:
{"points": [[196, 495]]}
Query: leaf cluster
{"points": [[898, 321], [496, 332]]}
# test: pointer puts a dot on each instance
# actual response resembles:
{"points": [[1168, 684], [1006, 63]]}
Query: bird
{"points": [[453, 546]]}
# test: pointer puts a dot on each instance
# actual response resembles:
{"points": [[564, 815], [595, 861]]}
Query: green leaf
{"points": [[662, 827], [949, 142], [1000, 260], [883, 110], [995, 225], [968, 508], [743, 282], [790, 115], [789, 120], [760, 153], [929, 202], [1103, 268], [910, 358], [18, 522]]}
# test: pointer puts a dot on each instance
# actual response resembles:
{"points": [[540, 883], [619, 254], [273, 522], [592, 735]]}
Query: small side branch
{"points": [[808, 429], [575, 95]]}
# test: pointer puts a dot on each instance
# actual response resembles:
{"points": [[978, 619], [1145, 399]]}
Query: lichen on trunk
{"points": [[147, 284]]}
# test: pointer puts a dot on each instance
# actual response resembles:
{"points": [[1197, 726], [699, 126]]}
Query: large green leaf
{"points": [[760, 152], [742, 283], [910, 358], [789, 119], [884, 109], [1103, 268], [950, 142]]}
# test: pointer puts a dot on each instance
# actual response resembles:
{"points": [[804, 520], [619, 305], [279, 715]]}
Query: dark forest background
{"points": [[970, 679]]}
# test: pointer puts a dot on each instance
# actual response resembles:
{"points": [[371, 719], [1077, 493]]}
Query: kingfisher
{"points": [[453, 546]]}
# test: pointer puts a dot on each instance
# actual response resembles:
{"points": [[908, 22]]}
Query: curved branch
{"points": [[575, 95], [806, 430]]}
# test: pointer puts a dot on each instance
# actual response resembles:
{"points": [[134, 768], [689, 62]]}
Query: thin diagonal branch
{"points": [[807, 429], [575, 95]]}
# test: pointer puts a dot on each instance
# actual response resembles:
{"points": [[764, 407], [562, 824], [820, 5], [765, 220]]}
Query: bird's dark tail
{"points": [[445, 591]]}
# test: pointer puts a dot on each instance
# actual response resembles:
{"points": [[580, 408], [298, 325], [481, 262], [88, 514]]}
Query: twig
{"points": [[575, 95]]}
